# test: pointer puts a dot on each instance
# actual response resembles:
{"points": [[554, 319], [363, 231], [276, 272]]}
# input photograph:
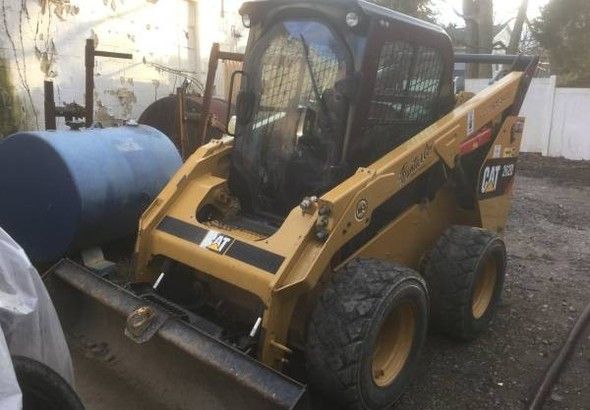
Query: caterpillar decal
{"points": [[496, 176], [216, 242]]}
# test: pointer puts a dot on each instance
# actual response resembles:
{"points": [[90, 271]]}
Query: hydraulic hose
{"points": [[556, 367]]}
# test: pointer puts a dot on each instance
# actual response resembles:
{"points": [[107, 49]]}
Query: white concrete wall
{"points": [[47, 42], [556, 118]]}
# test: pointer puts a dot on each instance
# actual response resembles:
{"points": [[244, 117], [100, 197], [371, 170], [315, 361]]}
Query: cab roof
{"points": [[371, 10]]}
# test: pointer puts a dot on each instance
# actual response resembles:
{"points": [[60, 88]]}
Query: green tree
{"points": [[417, 8], [563, 30]]}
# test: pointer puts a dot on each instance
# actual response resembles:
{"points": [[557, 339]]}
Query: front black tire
{"points": [[465, 274], [366, 333], [43, 388]]}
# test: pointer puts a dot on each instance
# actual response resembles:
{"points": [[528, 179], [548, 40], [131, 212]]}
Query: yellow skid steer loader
{"points": [[301, 260]]}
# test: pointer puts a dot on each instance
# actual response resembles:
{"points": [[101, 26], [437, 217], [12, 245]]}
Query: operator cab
{"points": [[327, 87]]}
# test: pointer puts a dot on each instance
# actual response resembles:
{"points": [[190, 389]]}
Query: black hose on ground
{"points": [[43, 388], [554, 370]]}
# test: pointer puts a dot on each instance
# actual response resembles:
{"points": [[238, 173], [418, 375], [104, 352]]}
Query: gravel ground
{"points": [[547, 286]]}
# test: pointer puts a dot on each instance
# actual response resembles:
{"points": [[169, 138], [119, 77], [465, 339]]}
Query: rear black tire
{"points": [[459, 271], [344, 361]]}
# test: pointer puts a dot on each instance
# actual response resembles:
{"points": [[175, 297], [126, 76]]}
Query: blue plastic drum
{"points": [[66, 190]]}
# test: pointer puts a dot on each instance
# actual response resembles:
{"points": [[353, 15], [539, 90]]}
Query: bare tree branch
{"points": [[518, 25]]}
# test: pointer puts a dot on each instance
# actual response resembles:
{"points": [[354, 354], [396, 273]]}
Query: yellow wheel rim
{"points": [[485, 284], [393, 345]]}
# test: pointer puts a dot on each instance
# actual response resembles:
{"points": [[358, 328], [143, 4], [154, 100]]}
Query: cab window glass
{"points": [[407, 86], [296, 128]]}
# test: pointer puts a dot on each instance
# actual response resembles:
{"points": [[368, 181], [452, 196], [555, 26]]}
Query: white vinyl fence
{"points": [[557, 119]]}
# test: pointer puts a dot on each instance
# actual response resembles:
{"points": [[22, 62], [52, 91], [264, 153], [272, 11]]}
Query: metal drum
{"points": [[66, 190]]}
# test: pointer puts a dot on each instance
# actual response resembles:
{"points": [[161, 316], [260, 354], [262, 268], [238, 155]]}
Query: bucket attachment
{"points": [[175, 363]]}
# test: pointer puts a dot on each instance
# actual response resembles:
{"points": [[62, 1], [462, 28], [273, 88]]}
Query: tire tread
{"points": [[449, 271], [340, 321]]}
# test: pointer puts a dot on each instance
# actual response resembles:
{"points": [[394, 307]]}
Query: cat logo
{"points": [[216, 242], [489, 181], [496, 177]]}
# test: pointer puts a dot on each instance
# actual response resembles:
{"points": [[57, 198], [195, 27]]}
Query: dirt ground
{"points": [[547, 286]]}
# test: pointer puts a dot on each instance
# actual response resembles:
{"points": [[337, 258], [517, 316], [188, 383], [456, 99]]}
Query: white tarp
{"points": [[29, 325]]}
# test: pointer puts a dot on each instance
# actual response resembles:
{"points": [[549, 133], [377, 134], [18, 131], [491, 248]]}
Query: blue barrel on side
{"points": [[67, 190]]}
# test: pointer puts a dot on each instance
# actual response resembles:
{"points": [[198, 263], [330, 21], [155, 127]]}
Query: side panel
{"points": [[496, 177], [416, 230], [407, 238]]}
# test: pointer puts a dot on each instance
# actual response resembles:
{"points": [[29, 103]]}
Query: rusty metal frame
{"points": [[49, 105], [86, 112], [89, 61], [181, 121], [214, 57]]}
